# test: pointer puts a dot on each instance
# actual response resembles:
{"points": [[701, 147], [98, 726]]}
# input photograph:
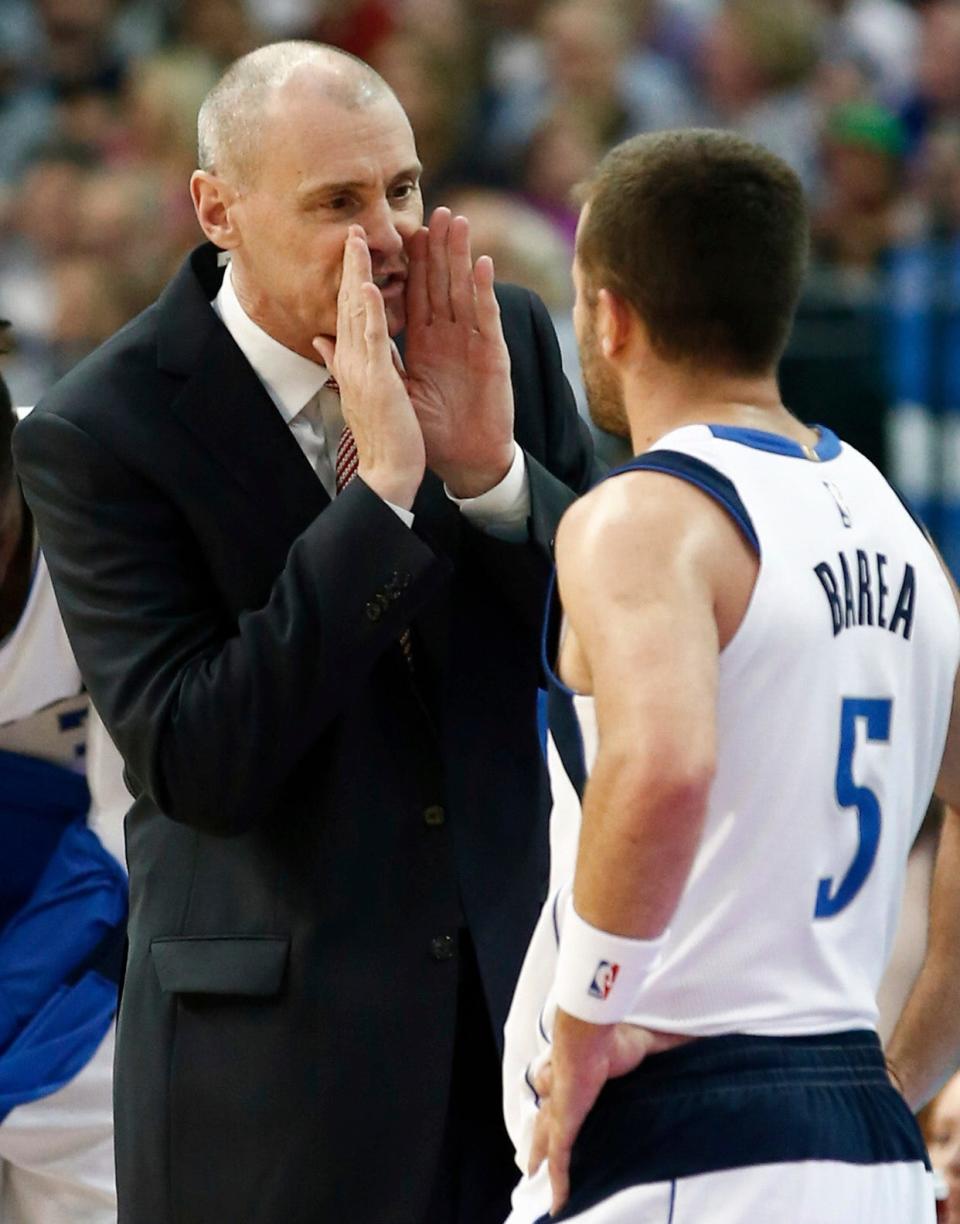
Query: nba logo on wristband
{"points": [[603, 979]]}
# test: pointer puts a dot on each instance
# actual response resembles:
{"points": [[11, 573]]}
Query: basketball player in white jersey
{"points": [[62, 906], [750, 690]]}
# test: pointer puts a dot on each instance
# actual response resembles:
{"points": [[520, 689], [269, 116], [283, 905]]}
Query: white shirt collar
{"points": [[290, 380]]}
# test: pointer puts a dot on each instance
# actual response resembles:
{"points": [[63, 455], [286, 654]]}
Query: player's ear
{"points": [[212, 197], [614, 319]]}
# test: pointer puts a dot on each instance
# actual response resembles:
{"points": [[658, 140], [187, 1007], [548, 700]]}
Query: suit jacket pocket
{"points": [[221, 964]]}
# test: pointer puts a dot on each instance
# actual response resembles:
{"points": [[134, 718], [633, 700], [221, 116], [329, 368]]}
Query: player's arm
{"points": [[637, 584], [925, 1047], [654, 578]]}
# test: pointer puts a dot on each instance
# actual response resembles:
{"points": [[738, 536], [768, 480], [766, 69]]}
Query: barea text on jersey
{"points": [[860, 592]]}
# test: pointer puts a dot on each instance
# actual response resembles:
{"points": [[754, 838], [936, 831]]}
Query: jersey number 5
{"points": [[875, 712]]}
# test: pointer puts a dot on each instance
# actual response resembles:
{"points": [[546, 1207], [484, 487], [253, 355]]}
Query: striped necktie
{"points": [[347, 459]]}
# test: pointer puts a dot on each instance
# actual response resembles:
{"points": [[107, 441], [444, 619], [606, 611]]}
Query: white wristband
{"points": [[599, 975]]}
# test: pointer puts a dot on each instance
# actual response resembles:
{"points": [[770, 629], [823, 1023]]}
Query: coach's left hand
{"points": [[457, 363], [584, 1056]]}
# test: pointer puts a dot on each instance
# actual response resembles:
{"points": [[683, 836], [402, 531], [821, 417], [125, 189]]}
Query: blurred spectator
{"points": [[561, 152], [937, 96], [26, 119], [357, 26], [43, 227], [864, 209], [882, 37], [283, 19], [756, 63], [223, 29], [157, 151], [507, 33], [63, 262], [941, 1129], [163, 96], [450, 24], [82, 67], [922, 344], [90, 302], [79, 48], [592, 54], [435, 85]]}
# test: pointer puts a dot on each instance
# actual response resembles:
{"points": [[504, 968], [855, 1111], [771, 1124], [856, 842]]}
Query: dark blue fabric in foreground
{"points": [[735, 1101], [59, 957]]}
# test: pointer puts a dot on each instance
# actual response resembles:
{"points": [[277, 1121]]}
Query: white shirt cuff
{"points": [[503, 510], [405, 516]]}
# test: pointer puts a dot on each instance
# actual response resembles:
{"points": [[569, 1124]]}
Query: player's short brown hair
{"points": [[705, 235]]}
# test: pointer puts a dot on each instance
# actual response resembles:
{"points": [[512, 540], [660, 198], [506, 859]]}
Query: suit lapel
{"points": [[225, 405]]}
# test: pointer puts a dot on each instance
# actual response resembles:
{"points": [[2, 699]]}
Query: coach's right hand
{"points": [[376, 406]]}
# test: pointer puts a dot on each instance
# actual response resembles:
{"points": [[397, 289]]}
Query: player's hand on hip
{"points": [[458, 366], [583, 1057], [390, 448]]}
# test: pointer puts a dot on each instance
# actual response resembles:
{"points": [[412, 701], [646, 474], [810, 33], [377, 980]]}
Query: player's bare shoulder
{"points": [[639, 534], [642, 517]]}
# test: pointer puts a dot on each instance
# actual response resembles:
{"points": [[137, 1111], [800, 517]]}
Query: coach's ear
{"points": [[615, 320], [213, 199]]}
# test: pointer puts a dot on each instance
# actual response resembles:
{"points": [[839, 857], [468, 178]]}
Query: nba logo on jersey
{"points": [[603, 979]]}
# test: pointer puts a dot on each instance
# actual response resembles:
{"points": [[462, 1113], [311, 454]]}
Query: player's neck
{"points": [[667, 399]]}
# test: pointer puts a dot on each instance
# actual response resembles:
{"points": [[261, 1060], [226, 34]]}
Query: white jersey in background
{"points": [[832, 710], [43, 708], [62, 912]]}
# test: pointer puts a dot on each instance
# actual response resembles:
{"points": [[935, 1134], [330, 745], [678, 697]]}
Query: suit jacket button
{"points": [[434, 815], [442, 947], [374, 610]]}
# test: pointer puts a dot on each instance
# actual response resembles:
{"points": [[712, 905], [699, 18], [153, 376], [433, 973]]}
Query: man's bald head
{"points": [[231, 119]]}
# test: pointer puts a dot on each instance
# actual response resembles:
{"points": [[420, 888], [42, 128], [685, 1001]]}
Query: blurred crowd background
{"points": [[512, 102]]}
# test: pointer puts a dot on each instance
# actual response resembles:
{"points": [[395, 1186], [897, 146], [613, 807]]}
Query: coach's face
{"points": [[321, 167]]}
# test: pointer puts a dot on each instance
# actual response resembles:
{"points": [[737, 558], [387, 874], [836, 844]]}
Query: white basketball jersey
{"points": [[833, 702], [43, 708]]}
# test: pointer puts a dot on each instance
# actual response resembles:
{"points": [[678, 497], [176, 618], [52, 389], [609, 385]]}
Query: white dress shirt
{"points": [[296, 383]]}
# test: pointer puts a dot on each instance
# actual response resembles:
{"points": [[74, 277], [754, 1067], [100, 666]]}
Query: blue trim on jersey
{"points": [[706, 478], [736, 1102], [826, 449], [565, 729], [673, 1200], [556, 920], [561, 717], [543, 727], [529, 1082], [550, 637]]}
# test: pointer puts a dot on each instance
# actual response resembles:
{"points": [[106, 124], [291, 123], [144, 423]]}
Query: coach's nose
{"points": [[383, 228]]}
